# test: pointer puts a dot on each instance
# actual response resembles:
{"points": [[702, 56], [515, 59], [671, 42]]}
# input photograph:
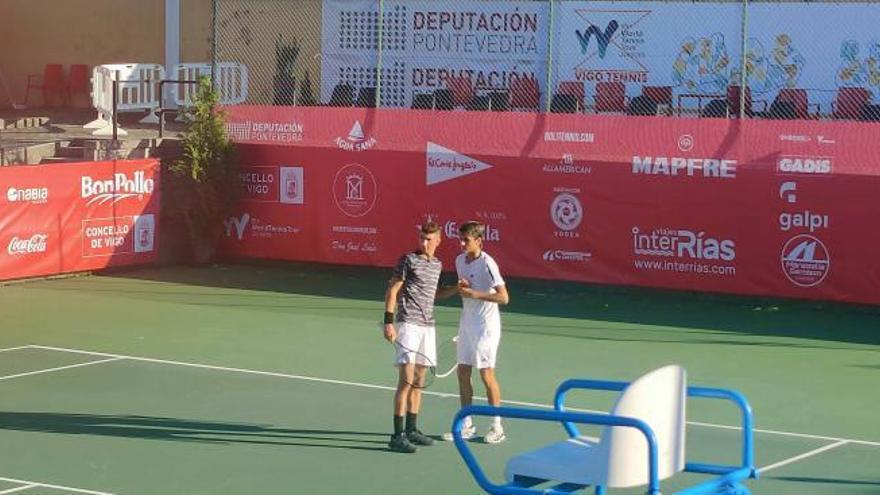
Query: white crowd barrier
{"points": [[138, 90], [230, 81]]}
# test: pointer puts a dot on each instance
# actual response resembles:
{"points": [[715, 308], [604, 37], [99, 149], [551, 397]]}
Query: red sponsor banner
{"points": [[781, 208], [77, 216]]}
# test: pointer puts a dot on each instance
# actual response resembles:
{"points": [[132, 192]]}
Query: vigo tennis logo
{"points": [[566, 212], [602, 38], [805, 260], [355, 190], [237, 223]]}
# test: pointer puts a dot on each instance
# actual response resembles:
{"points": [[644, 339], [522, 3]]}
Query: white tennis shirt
{"points": [[483, 275]]}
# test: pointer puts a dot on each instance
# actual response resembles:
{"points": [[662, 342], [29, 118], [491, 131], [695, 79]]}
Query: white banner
{"points": [[693, 47], [424, 42], [689, 46]]}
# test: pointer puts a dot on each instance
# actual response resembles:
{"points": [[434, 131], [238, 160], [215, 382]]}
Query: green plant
{"points": [[205, 178]]}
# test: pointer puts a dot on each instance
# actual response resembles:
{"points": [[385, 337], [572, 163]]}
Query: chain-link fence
{"points": [[795, 59]]}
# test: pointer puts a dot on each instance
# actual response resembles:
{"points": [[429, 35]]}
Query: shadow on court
{"points": [[719, 313], [174, 429]]}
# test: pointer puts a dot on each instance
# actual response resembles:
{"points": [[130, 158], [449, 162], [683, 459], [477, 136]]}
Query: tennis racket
{"points": [[442, 368]]}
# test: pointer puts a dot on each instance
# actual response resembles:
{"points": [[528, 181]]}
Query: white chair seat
{"points": [[575, 460]]}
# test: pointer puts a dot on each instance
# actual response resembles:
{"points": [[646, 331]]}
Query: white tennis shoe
{"points": [[467, 433], [495, 435]]}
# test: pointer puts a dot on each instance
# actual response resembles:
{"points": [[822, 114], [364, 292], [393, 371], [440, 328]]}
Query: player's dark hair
{"points": [[472, 229]]}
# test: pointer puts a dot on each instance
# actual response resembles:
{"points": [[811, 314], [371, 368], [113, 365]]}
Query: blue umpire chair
{"points": [[642, 442]]}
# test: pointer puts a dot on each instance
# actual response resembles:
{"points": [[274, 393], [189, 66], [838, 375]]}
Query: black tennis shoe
{"points": [[400, 443], [419, 438]]}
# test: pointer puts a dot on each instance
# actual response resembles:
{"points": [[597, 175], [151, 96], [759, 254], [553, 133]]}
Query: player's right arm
{"points": [[391, 292]]}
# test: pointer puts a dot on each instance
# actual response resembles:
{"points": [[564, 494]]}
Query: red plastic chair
{"points": [[575, 89], [799, 101], [78, 82], [610, 97], [850, 102], [524, 94], [51, 81], [662, 95], [733, 102], [462, 90]]}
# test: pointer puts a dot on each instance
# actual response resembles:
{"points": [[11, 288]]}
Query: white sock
{"points": [[496, 422], [466, 424]]}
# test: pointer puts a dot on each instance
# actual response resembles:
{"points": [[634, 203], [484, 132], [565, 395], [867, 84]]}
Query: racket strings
{"points": [[446, 356]]}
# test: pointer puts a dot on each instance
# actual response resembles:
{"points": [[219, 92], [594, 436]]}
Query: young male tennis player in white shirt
{"points": [[482, 290]]}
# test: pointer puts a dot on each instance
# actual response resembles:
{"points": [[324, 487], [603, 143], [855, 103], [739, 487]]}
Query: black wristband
{"points": [[389, 317]]}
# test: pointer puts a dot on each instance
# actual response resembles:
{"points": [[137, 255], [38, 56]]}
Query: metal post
{"points": [[550, 55], [115, 104], [381, 49], [213, 39], [742, 70], [162, 110], [172, 36]]}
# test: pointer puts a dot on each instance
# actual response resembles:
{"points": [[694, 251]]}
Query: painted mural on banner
{"points": [[820, 47], [79, 216]]}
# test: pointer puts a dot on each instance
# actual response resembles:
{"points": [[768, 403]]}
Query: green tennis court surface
{"points": [[274, 379]]}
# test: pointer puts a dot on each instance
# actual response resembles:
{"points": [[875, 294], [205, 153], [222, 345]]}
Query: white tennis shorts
{"points": [[478, 347], [415, 344]]}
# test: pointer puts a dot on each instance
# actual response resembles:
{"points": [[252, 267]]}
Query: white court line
{"points": [[426, 392], [56, 487], [18, 489], [6, 349], [789, 434], [59, 368], [802, 456]]}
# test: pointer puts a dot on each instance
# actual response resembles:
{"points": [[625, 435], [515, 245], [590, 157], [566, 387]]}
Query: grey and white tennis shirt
{"points": [[421, 276]]}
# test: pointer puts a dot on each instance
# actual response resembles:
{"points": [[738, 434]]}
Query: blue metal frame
{"points": [[730, 476]]}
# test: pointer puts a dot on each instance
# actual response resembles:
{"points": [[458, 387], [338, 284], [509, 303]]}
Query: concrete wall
{"points": [[93, 32]]}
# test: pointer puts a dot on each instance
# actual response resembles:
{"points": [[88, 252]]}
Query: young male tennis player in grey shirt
{"points": [[412, 291]]}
